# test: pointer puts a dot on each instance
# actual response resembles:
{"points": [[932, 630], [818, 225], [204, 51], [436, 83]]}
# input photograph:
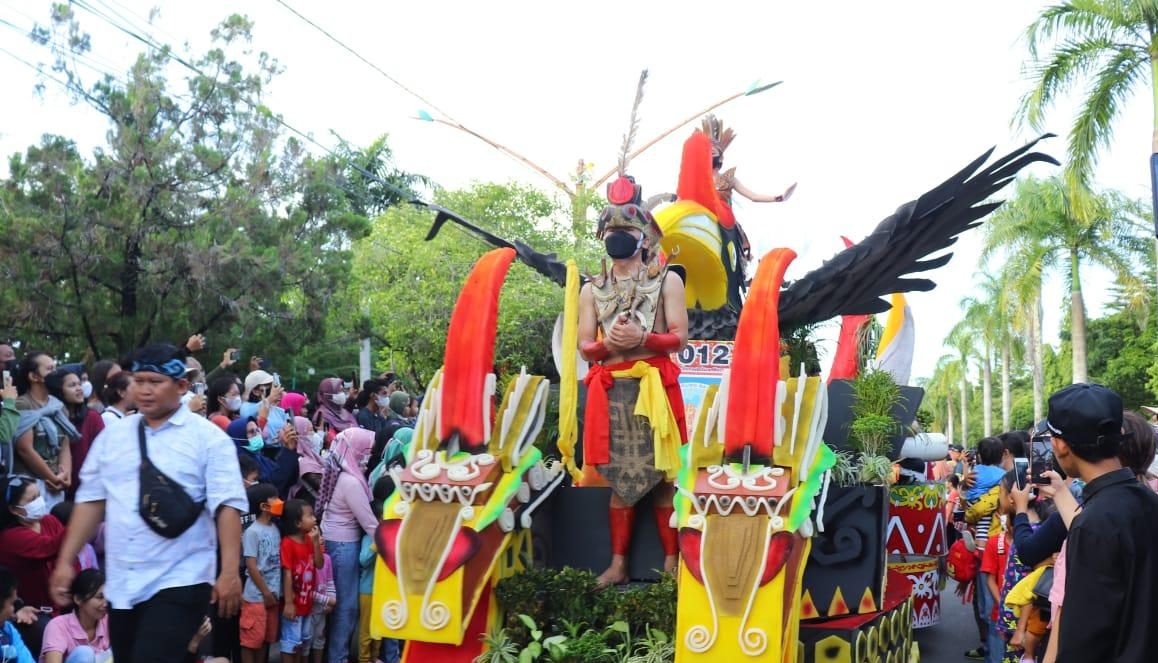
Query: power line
{"points": [[373, 66], [150, 42]]}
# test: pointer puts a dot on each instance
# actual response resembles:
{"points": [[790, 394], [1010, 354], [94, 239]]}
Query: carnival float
{"points": [[775, 501]]}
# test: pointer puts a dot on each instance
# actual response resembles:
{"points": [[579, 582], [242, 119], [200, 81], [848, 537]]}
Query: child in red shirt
{"points": [[993, 564], [301, 557]]}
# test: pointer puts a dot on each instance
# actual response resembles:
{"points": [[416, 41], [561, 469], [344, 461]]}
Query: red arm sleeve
{"points": [[594, 351], [662, 343]]}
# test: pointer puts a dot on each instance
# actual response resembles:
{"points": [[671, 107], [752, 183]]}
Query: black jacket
{"points": [[1109, 614]]}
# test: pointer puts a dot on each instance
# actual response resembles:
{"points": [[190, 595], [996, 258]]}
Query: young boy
{"points": [[261, 549], [301, 557], [992, 568]]}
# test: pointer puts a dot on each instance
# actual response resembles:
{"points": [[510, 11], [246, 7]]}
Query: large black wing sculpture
{"points": [[855, 280]]}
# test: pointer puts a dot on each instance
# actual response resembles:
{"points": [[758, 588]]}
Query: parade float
{"points": [[779, 558]]}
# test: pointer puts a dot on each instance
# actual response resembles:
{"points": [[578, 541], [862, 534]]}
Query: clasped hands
{"points": [[625, 335]]}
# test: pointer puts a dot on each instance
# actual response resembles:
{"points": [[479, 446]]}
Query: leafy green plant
{"points": [[499, 648], [874, 392], [846, 471], [656, 647], [875, 470], [871, 433]]}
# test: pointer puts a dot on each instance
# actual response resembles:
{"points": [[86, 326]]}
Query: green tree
{"points": [[405, 288], [962, 339], [198, 215], [1042, 228]]}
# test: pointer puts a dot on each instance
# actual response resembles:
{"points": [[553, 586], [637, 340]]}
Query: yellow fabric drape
{"points": [[569, 379]]}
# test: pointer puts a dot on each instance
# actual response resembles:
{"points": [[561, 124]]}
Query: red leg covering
{"points": [[622, 521], [667, 534]]}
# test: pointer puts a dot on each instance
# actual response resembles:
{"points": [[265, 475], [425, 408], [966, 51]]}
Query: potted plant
{"points": [[846, 567]]}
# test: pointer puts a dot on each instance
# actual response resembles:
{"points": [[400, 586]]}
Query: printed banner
{"points": [[702, 363]]}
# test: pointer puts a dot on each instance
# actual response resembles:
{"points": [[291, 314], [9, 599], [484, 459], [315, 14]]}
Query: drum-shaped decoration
{"points": [[925, 574], [917, 520]]}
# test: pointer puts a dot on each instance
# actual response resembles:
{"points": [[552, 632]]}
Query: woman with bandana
{"points": [[344, 509]]}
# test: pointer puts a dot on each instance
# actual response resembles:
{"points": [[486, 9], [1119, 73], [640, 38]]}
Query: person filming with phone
{"points": [[1111, 552]]}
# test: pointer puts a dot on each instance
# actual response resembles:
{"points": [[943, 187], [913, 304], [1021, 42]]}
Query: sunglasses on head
{"points": [[15, 482]]}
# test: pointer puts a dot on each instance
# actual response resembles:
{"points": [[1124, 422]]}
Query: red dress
{"points": [[88, 429], [31, 555]]}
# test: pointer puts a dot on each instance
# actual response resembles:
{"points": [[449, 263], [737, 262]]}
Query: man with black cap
{"points": [[1112, 549]]}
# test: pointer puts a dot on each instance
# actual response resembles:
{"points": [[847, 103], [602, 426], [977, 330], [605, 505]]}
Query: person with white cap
{"points": [[262, 401]]}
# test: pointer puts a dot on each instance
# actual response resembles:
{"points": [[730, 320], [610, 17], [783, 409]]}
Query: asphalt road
{"points": [[955, 634]]}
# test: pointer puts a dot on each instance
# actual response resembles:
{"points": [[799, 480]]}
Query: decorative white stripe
{"points": [[699, 638], [753, 641]]}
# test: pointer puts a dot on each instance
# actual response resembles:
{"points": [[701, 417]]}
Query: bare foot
{"points": [[670, 563], [616, 574]]}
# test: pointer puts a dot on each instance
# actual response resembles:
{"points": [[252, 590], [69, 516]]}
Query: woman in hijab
{"points": [[279, 464], [64, 384], [392, 453], [344, 509], [294, 404], [309, 462], [332, 416]]}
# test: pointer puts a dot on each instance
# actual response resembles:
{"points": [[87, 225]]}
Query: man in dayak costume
{"points": [[631, 319]]}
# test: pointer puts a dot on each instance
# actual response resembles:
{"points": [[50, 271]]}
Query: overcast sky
{"points": [[880, 101]]}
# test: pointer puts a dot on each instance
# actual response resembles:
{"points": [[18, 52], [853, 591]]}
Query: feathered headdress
{"points": [[721, 137]]}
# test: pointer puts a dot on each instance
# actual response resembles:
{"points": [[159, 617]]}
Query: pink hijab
{"points": [[294, 403], [336, 416], [309, 462], [350, 448]]}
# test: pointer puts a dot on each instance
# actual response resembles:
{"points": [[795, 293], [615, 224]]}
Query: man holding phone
{"points": [[1112, 549]]}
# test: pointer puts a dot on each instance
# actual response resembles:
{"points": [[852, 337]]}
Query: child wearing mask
{"points": [[261, 549]]}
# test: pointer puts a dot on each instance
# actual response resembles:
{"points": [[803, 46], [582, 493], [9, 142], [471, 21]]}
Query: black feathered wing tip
{"points": [[546, 264], [855, 280]]}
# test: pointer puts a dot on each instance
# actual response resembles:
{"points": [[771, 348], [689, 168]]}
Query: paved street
{"points": [[956, 633]]}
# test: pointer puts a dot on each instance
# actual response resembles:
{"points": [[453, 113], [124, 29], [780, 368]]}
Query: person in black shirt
{"points": [[1112, 549]]}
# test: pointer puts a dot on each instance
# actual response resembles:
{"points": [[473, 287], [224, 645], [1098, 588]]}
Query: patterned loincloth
{"points": [[631, 472]]}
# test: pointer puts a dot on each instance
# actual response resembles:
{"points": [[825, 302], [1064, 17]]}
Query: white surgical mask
{"points": [[35, 510], [86, 389], [383, 402], [316, 441], [339, 398], [233, 404]]}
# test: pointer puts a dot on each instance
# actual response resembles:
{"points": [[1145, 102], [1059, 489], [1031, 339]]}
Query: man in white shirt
{"points": [[159, 588]]}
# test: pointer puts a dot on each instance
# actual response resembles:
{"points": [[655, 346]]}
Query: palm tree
{"points": [[978, 323], [962, 339], [942, 390], [1109, 48], [1049, 224]]}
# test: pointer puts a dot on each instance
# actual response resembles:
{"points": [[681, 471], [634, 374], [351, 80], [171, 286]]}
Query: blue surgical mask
{"points": [[255, 443]]}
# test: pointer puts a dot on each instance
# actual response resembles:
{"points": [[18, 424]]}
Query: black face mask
{"points": [[621, 245], [717, 162]]}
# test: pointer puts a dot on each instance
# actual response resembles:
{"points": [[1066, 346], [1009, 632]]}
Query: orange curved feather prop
{"points": [[696, 181], [755, 373], [470, 350]]}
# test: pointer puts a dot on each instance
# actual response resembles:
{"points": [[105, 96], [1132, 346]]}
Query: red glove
{"points": [[661, 343], [594, 351]]}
